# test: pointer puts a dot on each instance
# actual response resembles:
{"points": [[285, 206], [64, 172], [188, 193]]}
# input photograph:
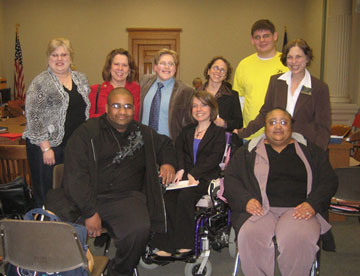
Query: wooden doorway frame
{"points": [[152, 36]]}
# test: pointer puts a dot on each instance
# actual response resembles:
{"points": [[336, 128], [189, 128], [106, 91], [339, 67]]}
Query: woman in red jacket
{"points": [[118, 71]]}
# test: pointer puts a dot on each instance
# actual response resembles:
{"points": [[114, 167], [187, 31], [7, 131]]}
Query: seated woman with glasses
{"points": [[217, 73], [199, 150], [279, 184]]}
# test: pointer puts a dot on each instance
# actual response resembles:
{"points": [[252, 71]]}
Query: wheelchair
{"points": [[212, 231]]}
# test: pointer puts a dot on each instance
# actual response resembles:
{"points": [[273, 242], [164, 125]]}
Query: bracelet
{"points": [[47, 149]]}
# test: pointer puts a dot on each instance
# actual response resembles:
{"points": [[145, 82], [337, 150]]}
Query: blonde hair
{"points": [[57, 42], [166, 51]]}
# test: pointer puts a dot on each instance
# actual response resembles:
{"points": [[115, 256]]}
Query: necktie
{"points": [[155, 108]]}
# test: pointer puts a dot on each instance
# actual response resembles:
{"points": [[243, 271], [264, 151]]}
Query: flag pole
{"points": [[16, 37]]}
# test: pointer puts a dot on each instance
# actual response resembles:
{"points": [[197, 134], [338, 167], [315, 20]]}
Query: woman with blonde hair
{"points": [[56, 104]]}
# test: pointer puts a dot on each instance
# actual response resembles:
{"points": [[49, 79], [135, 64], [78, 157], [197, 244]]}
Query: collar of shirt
{"points": [[292, 99], [168, 83], [306, 81]]}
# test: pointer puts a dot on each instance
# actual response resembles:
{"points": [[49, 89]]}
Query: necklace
{"points": [[136, 141], [198, 133]]}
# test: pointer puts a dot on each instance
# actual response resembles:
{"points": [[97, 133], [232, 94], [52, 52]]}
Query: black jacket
{"points": [[209, 154], [229, 106], [81, 169]]}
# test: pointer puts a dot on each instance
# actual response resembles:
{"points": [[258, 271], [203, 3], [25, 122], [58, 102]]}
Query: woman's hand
{"points": [[48, 153], [236, 131], [192, 180], [49, 157], [254, 207], [303, 211], [179, 175], [220, 122]]}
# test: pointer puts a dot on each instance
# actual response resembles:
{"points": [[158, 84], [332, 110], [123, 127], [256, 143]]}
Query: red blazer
{"points": [[105, 89]]}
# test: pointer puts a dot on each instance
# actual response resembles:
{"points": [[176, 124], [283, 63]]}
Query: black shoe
{"points": [[101, 240]]}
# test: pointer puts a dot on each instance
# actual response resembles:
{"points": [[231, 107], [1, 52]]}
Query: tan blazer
{"points": [[179, 106]]}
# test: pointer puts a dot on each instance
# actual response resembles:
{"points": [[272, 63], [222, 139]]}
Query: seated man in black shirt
{"points": [[279, 185], [111, 175]]}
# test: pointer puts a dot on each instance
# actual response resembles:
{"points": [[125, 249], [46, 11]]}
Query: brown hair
{"points": [[210, 64], [301, 43], [263, 24], [208, 99], [106, 75]]}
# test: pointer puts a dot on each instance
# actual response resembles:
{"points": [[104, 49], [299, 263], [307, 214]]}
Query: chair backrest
{"points": [[349, 184], [13, 163], [41, 245], [58, 172]]}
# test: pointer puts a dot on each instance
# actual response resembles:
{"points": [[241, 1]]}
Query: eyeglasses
{"points": [[275, 122], [119, 106], [217, 69], [263, 37], [163, 64], [63, 55]]}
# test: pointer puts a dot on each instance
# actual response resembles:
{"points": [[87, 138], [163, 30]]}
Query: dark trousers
{"points": [[128, 223], [41, 174], [180, 212]]}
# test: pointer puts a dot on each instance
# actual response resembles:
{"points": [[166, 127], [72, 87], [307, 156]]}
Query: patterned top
{"points": [[46, 105]]}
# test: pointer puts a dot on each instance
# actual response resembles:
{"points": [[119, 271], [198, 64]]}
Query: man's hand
{"points": [[303, 211], [254, 207], [93, 225], [167, 172]]}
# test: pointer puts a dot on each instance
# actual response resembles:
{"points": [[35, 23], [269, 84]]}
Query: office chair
{"points": [[45, 246]]}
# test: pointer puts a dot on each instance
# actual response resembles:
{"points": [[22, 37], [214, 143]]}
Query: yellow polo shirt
{"points": [[251, 81]]}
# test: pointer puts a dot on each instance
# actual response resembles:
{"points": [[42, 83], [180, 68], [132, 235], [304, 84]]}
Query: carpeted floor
{"points": [[343, 262]]}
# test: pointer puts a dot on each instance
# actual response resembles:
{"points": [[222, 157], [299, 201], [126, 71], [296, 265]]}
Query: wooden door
{"points": [[144, 43]]}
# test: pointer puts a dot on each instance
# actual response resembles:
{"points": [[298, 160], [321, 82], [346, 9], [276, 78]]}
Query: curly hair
{"points": [[210, 64]]}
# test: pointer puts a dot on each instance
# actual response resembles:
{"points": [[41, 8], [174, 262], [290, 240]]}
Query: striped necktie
{"points": [[155, 108]]}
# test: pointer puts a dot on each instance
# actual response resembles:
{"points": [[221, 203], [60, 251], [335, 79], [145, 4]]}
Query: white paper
{"points": [[180, 185]]}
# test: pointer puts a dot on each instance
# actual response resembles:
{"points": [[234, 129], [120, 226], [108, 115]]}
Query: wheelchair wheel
{"points": [[232, 243], [147, 263], [191, 268]]}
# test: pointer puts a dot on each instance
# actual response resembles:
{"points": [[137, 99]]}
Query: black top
{"points": [[75, 114], [287, 180], [128, 173], [229, 106]]}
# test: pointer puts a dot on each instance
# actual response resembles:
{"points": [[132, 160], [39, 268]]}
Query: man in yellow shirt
{"points": [[253, 72]]}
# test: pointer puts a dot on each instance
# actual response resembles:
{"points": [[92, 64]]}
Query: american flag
{"points": [[19, 91]]}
